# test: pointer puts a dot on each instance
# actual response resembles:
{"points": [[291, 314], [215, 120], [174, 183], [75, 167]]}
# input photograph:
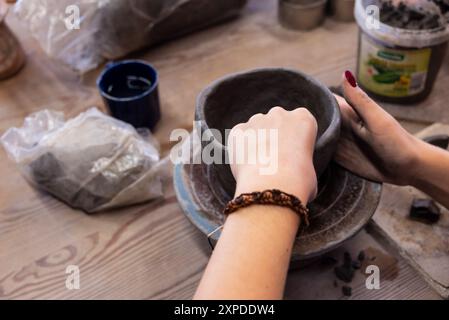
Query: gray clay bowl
{"points": [[235, 98]]}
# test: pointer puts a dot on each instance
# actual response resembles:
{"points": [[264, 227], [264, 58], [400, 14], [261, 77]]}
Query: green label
{"points": [[391, 72], [394, 56]]}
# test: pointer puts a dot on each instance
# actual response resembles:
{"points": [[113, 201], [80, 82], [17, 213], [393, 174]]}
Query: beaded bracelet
{"points": [[270, 197]]}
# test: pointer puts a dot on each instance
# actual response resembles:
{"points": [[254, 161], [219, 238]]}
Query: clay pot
{"points": [[235, 98], [12, 57]]}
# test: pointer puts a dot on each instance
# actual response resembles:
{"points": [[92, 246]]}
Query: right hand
{"points": [[373, 144], [291, 161]]}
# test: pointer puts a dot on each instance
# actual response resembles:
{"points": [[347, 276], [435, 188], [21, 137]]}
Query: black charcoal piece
{"points": [[344, 273], [356, 265], [425, 210], [347, 291], [347, 260], [361, 256]]}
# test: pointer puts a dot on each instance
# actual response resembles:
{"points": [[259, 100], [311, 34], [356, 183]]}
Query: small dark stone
{"points": [[425, 210], [344, 273], [347, 260], [361, 256], [356, 265], [347, 291]]}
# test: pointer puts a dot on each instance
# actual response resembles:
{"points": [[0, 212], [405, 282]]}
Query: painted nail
{"points": [[350, 77]]}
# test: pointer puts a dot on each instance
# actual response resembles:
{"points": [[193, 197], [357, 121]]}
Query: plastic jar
{"points": [[397, 65]]}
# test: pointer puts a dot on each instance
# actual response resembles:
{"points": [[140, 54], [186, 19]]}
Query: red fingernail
{"points": [[350, 77]]}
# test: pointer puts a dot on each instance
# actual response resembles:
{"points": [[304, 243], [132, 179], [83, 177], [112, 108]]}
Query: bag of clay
{"points": [[83, 33], [91, 162]]}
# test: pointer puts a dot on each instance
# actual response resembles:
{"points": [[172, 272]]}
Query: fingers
{"points": [[291, 122], [368, 110], [350, 156], [351, 121], [300, 113], [347, 112]]}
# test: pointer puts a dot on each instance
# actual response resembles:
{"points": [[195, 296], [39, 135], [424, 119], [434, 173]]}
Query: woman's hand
{"points": [[373, 144], [250, 261], [282, 150]]}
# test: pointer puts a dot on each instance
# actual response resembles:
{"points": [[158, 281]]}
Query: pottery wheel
{"points": [[344, 204]]}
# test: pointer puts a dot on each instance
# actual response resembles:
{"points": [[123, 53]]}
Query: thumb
{"points": [[368, 110]]}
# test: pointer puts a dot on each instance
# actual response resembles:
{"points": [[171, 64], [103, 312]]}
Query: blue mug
{"points": [[130, 91]]}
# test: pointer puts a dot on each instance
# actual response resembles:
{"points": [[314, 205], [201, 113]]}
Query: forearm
{"points": [[252, 256], [432, 173], [251, 259]]}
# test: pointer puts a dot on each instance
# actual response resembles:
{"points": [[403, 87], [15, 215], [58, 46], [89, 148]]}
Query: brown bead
{"points": [[271, 197]]}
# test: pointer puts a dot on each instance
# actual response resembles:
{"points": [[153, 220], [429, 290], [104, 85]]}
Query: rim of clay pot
{"points": [[321, 141]]}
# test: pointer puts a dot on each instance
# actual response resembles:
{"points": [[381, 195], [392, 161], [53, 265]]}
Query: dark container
{"points": [[130, 91], [235, 98]]}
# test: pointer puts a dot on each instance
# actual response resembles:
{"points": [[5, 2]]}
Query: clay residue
{"points": [[387, 264], [443, 5], [418, 15], [421, 239]]}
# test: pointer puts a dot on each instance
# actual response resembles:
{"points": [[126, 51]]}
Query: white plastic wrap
{"points": [[110, 29], [92, 162]]}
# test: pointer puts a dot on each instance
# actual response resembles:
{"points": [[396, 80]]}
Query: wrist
{"points": [[300, 184], [422, 160]]}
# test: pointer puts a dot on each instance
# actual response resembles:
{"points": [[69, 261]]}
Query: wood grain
{"points": [[151, 251]]}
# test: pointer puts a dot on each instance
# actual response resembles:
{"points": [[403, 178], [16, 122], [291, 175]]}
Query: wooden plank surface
{"points": [[151, 250]]}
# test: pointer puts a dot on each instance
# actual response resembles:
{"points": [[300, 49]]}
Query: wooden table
{"points": [[151, 251]]}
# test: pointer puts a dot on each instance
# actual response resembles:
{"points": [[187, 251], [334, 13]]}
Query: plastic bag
{"points": [[110, 29], [92, 162]]}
